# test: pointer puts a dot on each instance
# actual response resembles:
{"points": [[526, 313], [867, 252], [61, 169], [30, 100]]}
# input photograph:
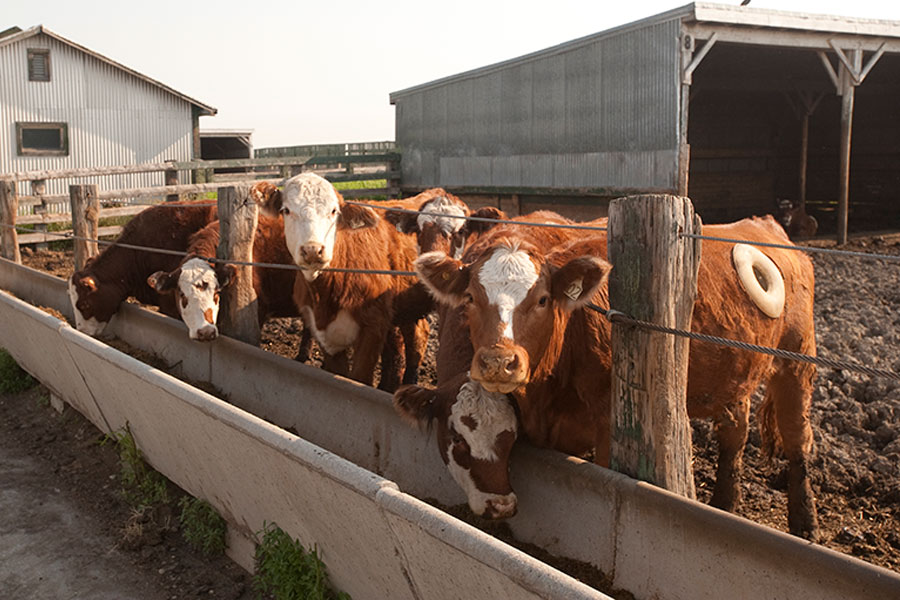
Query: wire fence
{"points": [[611, 314]]}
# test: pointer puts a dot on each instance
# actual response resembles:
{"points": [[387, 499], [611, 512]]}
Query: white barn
{"points": [[63, 106]]}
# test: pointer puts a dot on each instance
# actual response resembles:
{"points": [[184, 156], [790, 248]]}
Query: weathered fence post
{"points": [[9, 208], [654, 279], [238, 215], [39, 188], [171, 176], [85, 221]]}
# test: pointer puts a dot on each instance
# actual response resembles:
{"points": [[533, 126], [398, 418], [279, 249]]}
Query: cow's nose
{"points": [[312, 252], [207, 333], [501, 507]]}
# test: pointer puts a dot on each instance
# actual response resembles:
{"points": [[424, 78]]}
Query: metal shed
{"points": [[63, 106], [730, 105]]}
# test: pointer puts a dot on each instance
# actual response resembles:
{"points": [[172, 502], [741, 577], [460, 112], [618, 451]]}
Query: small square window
{"points": [[38, 64], [42, 139]]}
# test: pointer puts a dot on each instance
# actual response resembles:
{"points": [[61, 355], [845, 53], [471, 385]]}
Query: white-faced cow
{"points": [[534, 339], [344, 310], [196, 283], [117, 273]]}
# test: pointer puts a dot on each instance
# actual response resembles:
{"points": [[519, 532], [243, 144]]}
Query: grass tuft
{"points": [[13, 379], [201, 526]]}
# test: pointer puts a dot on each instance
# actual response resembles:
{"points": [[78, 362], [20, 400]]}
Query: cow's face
{"points": [[92, 304], [475, 432], [196, 286], [313, 213], [516, 305]]}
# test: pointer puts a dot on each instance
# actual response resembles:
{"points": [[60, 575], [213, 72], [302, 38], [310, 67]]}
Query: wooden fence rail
{"points": [[42, 209]]}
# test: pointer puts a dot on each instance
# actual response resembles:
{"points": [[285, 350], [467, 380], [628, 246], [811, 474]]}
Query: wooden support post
{"points": [[171, 179], [654, 279], [848, 94], [9, 208], [238, 216], [85, 221], [39, 188]]}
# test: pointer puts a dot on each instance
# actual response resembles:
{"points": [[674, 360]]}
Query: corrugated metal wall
{"points": [[602, 114], [113, 117]]}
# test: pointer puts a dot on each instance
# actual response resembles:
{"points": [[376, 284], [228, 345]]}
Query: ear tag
{"points": [[356, 223], [573, 292], [445, 275]]}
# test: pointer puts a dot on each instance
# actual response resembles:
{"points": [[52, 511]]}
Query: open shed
{"points": [[733, 106]]}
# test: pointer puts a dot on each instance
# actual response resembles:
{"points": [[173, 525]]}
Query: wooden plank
{"points": [[9, 207], [85, 222], [56, 236], [238, 216], [105, 213], [654, 279], [341, 177]]}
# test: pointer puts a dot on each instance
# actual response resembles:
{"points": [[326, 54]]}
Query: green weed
{"points": [[201, 526], [142, 486], [360, 185], [13, 379], [286, 571]]}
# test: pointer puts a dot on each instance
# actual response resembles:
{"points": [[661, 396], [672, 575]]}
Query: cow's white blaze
{"points": [[493, 414], [311, 209], [90, 326], [507, 277], [200, 289]]}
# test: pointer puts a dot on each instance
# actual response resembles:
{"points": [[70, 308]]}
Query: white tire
{"points": [[760, 278]]}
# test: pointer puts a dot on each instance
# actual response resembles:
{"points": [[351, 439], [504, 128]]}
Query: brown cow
{"points": [[796, 222], [343, 309], [117, 273], [535, 340], [196, 283]]}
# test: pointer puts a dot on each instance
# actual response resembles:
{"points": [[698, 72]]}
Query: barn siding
{"points": [[598, 114], [113, 117]]}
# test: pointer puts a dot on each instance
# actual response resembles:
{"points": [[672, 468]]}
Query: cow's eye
{"points": [[468, 299], [202, 286], [543, 300], [456, 439], [333, 211], [283, 210]]}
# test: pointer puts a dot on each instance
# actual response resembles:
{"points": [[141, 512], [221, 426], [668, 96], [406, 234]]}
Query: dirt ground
{"points": [[66, 531], [855, 418]]}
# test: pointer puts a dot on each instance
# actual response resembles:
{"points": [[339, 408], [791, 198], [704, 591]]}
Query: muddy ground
{"points": [[855, 418]]}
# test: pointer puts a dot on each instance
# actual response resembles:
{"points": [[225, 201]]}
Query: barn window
{"points": [[38, 64], [42, 139]]}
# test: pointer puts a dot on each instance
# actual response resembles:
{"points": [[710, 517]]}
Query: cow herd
{"points": [[520, 351]]}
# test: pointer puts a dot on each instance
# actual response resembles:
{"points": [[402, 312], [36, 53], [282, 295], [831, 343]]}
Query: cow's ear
{"points": [[405, 222], [415, 405], [574, 284], [354, 216], [268, 197], [225, 274], [486, 212], [445, 277], [164, 283]]}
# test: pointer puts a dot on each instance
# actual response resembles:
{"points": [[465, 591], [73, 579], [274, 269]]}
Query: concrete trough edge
{"points": [[817, 571]]}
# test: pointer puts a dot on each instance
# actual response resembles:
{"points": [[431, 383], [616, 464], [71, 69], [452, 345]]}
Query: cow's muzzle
{"points": [[501, 368]]}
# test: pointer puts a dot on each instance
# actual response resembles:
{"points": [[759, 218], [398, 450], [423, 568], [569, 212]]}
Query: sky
{"points": [[300, 72]]}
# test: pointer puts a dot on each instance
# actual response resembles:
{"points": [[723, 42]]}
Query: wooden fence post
{"points": [[238, 215], [39, 188], [654, 279], [9, 208], [171, 178], [85, 221]]}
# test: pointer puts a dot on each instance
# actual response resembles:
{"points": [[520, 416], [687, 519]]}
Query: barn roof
{"points": [[741, 24], [13, 36]]}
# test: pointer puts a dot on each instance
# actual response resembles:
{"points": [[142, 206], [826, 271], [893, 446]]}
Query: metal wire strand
{"points": [[615, 316], [867, 255]]}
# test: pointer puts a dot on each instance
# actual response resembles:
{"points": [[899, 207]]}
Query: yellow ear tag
{"points": [[445, 275], [356, 223], [573, 292]]}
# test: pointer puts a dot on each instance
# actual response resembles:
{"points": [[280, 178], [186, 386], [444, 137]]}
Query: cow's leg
{"points": [[338, 363], [731, 432], [390, 361], [789, 393], [305, 348], [415, 342], [366, 351]]}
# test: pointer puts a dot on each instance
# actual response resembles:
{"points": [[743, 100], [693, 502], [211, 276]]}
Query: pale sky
{"points": [[302, 72]]}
